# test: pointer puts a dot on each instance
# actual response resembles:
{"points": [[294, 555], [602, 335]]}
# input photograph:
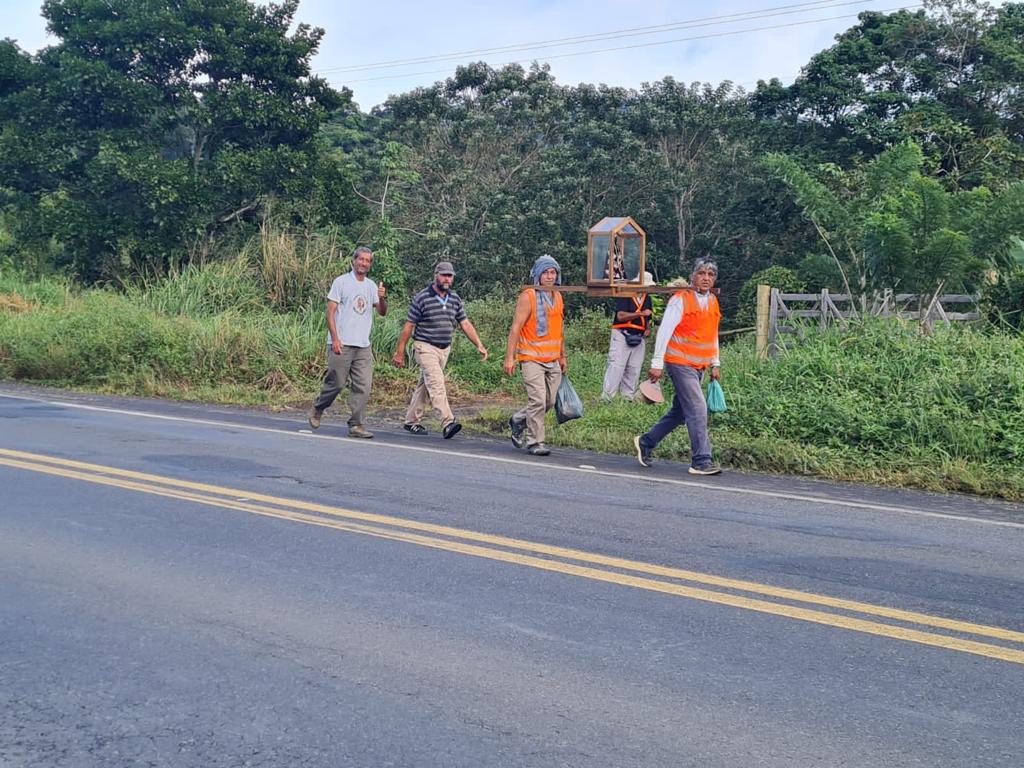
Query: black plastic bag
{"points": [[568, 405]]}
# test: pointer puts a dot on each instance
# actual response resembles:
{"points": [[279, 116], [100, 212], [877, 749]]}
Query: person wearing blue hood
{"points": [[536, 341]]}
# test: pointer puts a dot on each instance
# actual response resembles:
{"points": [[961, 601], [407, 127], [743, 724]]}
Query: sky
{"points": [[699, 44]]}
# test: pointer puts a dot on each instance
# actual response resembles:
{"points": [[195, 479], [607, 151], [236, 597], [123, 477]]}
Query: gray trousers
{"points": [[624, 366], [354, 366], [688, 407], [541, 380]]}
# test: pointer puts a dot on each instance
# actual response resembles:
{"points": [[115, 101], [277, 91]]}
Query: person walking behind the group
{"points": [[630, 329], [537, 343], [349, 357], [686, 346], [433, 315]]}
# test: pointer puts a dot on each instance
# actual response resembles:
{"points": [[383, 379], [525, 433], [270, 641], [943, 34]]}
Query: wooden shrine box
{"points": [[616, 247]]}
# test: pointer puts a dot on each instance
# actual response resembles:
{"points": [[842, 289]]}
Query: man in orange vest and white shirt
{"points": [[537, 343], [686, 347]]}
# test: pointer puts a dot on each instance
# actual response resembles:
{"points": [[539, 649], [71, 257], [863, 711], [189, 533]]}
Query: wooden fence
{"points": [[782, 316]]}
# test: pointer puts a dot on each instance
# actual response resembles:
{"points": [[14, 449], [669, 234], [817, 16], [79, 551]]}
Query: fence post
{"points": [[824, 308], [764, 300]]}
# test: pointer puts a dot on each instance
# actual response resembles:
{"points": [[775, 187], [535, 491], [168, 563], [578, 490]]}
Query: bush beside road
{"points": [[881, 404]]}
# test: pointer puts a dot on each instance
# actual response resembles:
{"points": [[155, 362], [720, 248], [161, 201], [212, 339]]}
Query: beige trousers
{"points": [[431, 388], [541, 380]]}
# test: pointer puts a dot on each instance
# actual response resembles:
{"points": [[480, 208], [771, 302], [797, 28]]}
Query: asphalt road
{"points": [[193, 586]]}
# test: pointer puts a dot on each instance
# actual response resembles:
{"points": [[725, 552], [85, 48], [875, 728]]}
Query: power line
{"points": [[782, 10], [707, 36]]}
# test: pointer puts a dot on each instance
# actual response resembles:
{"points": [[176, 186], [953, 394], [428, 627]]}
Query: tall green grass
{"points": [[204, 290], [885, 388], [881, 403], [277, 271], [19, 288]]}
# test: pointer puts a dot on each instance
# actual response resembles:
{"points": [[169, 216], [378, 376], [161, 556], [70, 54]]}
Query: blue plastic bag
{"points": [[716, 398], [568, 405]]}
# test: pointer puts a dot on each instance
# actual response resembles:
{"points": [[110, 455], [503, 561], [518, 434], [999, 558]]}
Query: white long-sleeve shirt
{"points": [[673, 314]]}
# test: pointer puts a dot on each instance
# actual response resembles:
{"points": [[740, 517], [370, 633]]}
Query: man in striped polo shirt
{"points": [[433, 314]]}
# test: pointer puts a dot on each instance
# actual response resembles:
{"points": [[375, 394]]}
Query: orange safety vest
{"points": [[694, 340], [541, 349], [637, 323]]}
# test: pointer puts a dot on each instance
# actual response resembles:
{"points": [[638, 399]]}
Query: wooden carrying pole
{"points": [[620, 289]]}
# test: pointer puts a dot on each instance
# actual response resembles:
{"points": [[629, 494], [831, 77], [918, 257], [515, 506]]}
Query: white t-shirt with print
{"points": [[354, 315]]}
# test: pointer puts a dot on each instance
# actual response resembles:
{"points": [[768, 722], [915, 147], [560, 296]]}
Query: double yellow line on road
{"points": [[789, 603]]}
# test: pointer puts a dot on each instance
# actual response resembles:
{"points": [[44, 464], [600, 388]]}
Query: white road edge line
{"points": [[305, 434]]}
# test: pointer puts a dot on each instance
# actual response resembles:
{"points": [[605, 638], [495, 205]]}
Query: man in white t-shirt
{"points": [[350, 304]]}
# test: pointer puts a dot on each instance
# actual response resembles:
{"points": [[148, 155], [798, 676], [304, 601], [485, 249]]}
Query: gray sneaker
{"points": [[538, 449], [314, 418], [359, 431], [705, 468], [517, 433]]}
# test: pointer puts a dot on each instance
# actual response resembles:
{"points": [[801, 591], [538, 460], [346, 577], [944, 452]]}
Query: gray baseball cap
{"points": [[444, 268]]}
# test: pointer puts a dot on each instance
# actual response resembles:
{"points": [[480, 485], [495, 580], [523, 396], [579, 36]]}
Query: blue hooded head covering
{"points": [[544, 299], [543, 264]]}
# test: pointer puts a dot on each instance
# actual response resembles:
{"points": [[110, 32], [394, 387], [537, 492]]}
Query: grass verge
{"points": [[882, 404]]}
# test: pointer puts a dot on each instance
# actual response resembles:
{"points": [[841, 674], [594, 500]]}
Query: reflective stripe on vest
{"points": [[637, 323], [694, 340], [541, 349]]}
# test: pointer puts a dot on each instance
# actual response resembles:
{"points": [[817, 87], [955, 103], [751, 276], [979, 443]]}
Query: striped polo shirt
{"points": [[435, 316]]}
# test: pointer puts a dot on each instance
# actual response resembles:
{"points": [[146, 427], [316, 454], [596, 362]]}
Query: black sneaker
{"points": [[643, 453], [517, 433], [538, 449], [451, 430], [705, 468], [416, 429]]}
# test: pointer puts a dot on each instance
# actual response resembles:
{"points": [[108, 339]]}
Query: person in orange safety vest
{"points": [[626, 350], [686, 348], [536, 342]]}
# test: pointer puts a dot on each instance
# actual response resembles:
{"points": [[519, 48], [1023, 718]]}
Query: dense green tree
{"points": [[947, 76], [696, 136], [156, 129], [1003, 296], [499, 165], [887, 225], [596, 165], [472, 147], [786, 280], [152, 125], [712, 198], [505, 165]]}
